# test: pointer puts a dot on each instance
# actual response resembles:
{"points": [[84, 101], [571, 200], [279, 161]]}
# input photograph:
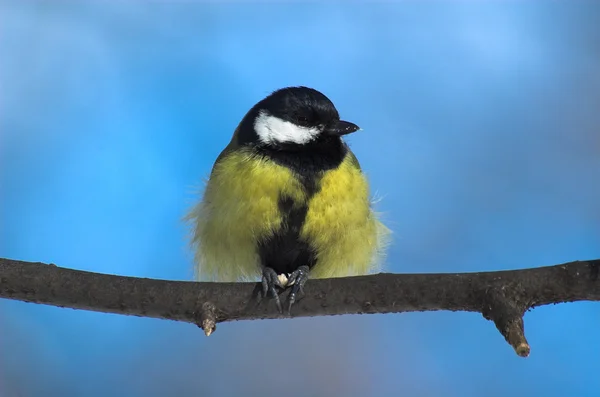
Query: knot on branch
{"points": [[508, 318], [207, 318]]}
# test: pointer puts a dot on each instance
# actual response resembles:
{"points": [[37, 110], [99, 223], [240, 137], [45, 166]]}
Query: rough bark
{"points": [[502, 297]]}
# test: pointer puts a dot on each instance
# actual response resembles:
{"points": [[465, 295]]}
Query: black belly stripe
{"points": [[284, 252]]}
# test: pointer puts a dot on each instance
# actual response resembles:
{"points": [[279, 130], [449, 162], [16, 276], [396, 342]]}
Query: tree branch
{"points": [[502, 297]]}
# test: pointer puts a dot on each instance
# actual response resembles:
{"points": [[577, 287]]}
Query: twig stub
{"points": [[208, 318], [508, 318]]}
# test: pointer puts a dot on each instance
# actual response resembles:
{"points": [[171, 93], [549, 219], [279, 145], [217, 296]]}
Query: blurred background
{"points": [[481, 136]]}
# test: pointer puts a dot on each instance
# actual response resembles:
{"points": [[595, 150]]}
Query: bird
{"points": [[287, 200]]}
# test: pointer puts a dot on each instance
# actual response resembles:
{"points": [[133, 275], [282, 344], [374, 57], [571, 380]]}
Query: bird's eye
{"points": [[303, 119]]}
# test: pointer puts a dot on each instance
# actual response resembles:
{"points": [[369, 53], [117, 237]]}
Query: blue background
{"points": [[481, 135]]}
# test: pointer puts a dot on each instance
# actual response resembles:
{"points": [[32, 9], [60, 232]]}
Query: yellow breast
{"points": [[342, 226], [240, 207]]}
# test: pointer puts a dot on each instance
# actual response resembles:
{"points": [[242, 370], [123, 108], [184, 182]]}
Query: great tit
{"points": [[287, 198]]}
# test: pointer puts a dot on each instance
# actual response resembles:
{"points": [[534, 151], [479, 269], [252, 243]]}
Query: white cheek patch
{"points": [[271, 130]]}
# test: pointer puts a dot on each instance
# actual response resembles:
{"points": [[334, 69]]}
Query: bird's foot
{"points": [[297, 279], [270, 280]]}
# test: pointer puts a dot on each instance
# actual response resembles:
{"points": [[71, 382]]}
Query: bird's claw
{"points": [[270, 280], [297, 279]]}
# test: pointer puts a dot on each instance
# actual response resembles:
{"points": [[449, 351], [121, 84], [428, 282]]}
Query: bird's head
{"points": [[293, 118]]}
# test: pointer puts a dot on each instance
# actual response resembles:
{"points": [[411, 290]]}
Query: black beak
{"points": [[341, 128]]}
